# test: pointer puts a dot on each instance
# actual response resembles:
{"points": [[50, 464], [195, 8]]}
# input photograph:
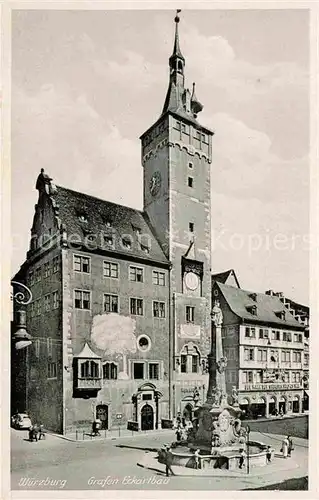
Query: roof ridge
{"points": [[99, 199]]}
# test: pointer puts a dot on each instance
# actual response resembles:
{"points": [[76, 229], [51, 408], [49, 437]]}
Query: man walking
{"points": [[168, 461]]}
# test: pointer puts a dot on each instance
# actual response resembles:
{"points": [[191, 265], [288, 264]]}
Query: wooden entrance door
{"points": [[102, 412]]}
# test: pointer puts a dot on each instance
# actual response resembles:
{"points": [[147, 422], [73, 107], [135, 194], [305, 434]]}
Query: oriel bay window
{"points": [[189, 359], [90, 369], [87, 374], [111, 303]]}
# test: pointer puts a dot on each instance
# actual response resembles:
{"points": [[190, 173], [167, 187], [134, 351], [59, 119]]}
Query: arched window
{"points": [[109, 371], [180, 66], [89, 369]]}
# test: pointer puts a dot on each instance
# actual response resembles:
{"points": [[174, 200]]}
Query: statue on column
{"points": [[217, 314]]}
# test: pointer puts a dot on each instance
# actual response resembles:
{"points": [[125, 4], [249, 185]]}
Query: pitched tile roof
{"points": [[223, 276], [84, 215], [267, 306]]}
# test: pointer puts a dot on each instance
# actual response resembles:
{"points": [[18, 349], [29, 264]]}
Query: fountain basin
{"points": [[226, 457]]}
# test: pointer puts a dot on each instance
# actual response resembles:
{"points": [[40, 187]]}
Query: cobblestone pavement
{"points": [[112, 465]]}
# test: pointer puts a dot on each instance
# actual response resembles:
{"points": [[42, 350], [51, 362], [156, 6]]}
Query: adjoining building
{"points": [[120, 317], [265, 348]]}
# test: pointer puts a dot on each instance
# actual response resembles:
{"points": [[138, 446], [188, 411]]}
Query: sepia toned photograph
{"points": [[160, 220]]}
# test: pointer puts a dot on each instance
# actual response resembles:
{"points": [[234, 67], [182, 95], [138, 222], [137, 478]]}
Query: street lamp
{"points": [[23, 296], [247, 444]]}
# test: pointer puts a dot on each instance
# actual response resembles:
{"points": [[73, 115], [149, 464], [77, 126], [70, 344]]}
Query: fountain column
{"points": [[217, 362]]}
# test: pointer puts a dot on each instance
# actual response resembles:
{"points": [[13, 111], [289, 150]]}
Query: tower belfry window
{"points": [[191, 227], [190, 182]]}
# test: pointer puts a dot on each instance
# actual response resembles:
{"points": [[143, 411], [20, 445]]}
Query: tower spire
{"points": [[177, 51]]}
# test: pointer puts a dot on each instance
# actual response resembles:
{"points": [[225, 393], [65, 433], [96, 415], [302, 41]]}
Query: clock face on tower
{"points": [[191, 281], [155, 183]]}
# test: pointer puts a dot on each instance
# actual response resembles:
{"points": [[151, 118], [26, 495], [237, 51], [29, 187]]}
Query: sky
{"points": [[87, 84]]}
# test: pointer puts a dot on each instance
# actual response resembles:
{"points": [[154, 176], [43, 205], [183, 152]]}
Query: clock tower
{"points": [[176, 157]]}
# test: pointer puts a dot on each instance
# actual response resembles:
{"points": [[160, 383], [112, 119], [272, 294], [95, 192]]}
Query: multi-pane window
{"points": [[274, 356], [52, 370], [306, 359], [259, 377], [55, 264], [263, 334], [296, 357], [261, 355], [82, 299], [31, 277], [110, 269], [248, 377], [111, 303], [231, 376], [38, 274], [49, 346], [136, 307], [230, 353], [275, 335], [250, 332], [158, 309], [47, 302], [153, 371], [285, 377], [286, 336], [37, 348], [47, 269], [190, 314], [109, 371], [295, 377], [38, 307], [89, 369], [81, 264], [195, 363], [183, 363], [158, 278], [138, 370], [249, 354], [285, 356], [55, 297], [136, 274], [298, 337]]}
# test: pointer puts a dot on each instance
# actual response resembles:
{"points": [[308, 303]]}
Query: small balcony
{"points": [[88, 383]]}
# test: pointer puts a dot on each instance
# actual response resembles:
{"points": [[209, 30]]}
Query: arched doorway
{"points": [[188, 412], [147, 418], [282, 405], [296, 404], [102, 412], [272, 405]]}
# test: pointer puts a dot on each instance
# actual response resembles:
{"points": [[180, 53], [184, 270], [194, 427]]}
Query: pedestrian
{"points": [[41, 432], [269, 454], [284, 448], [197, 459], [290, 446], [242, 457], [168, 462], [179, 433]]}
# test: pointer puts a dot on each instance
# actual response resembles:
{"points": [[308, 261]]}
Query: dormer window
{"points": [[108, 223], [83, 217], [136, 229], [145, 248], [108, 239], [281, 315], [252, 310], [253, 296], [126, 242]]}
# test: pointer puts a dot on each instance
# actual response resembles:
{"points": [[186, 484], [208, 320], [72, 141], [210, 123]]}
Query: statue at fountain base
{"points": [[216, 426]]}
